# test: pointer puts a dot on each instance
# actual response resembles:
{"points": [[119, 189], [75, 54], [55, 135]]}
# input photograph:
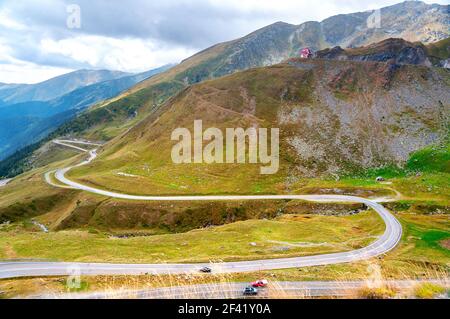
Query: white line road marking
{"points": [[382, 245]]}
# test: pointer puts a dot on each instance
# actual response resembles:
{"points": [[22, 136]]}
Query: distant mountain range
{"points": [[29, 112], [55, 87]]}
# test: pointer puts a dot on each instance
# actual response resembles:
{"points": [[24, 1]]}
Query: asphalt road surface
{"points": [[381, 246], [3, 182], [290, 289]]}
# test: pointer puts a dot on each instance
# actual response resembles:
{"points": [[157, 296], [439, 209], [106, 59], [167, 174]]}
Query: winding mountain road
{"points": [[4, 182], [386, 242], [233, 290]]}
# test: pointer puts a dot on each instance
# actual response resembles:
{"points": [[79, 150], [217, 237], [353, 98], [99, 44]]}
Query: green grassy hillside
{"points": [[335, 118], [288, 235], [440, 49]]}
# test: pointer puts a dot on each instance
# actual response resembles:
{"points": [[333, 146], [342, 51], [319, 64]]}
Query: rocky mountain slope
{"points": [[411, 20], [392, 50], [335, 117]]}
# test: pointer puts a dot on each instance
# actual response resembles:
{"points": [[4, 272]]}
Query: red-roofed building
{"points": [[306, 53]]}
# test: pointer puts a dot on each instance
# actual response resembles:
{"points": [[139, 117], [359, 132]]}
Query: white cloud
{"points": [[130, 55], [13, 70], [28, 72], [8, 22], [75, 48]]}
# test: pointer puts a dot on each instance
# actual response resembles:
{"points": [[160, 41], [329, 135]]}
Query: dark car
{"points": [[205, 270], [250, 291]]}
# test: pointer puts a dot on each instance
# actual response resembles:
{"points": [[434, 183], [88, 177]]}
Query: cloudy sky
{"points": [[42, 39]]}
